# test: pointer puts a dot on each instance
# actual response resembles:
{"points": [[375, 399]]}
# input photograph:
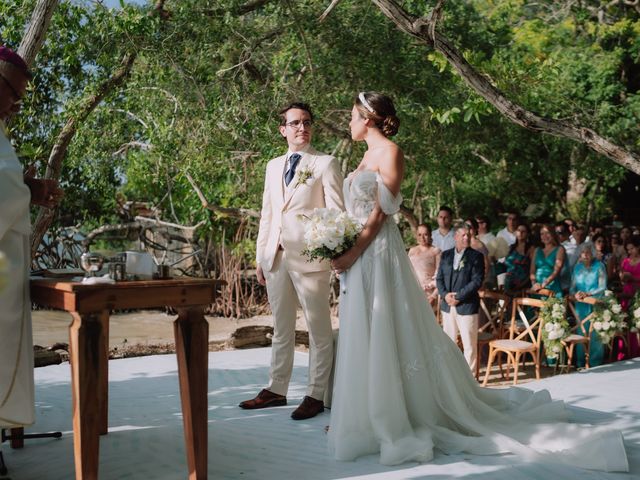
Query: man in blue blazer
{"points": [[459, 278]]}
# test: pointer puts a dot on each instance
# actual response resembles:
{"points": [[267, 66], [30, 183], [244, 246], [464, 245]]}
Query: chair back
{"points": [[532, 331], [544, 292], [579, 328], [494, 305]]}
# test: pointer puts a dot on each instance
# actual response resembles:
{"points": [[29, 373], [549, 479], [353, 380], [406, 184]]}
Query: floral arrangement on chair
{"points": [[556, 326], [608, 318], [634, 313]]}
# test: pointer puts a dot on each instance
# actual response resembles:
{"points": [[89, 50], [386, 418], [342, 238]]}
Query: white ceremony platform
{"points": [[145, 439]]}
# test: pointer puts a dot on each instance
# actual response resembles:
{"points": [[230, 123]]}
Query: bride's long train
{"points": [[402, 387]]}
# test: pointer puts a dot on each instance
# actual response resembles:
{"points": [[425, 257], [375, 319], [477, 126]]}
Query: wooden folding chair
{"points": [[519, 343], [580, 333], [438, 311], [543, 292], [493, 305]]}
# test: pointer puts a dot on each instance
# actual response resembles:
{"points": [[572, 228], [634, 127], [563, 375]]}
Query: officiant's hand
{"points": [[344, 261], [260, 274], [44, 192]]}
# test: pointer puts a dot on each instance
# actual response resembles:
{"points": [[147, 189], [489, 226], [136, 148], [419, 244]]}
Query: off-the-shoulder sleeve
{"points": [[389, 203]]}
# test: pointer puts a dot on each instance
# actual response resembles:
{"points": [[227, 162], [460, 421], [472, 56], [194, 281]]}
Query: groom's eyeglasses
{"points": [[296, 124]]}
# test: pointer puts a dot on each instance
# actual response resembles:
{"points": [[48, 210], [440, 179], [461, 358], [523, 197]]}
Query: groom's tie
{"points": [[293, 163]]}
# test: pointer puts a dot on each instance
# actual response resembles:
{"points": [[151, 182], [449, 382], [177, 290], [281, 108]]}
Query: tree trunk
{"points": [[424, 30], [576, 184], [34, 35], [410, 217]]}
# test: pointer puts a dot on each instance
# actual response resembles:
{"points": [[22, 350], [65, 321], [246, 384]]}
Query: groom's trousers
{"points": [[467, 326], [311, 289]]}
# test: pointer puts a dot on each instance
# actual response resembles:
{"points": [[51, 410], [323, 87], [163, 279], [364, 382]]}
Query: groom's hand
{"points": [[450, 298], [260, 274]]}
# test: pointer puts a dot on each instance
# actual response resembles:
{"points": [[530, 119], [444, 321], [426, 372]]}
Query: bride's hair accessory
{"points": [[365, 104]]}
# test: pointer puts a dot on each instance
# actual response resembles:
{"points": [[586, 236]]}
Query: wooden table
{"points": [[89, 306]]}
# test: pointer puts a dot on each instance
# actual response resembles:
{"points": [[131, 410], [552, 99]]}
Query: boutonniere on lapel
{"points": [[304, 176], [461, 264]]}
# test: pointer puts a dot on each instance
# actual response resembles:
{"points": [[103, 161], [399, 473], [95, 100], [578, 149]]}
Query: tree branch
{"points": [[410, 217], [59, 150], [160, 223], [109, 228], [229, 212], [328, 10], [418, 29]]}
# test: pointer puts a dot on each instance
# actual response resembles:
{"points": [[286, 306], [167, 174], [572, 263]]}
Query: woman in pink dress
{"points": [[630, 277], [425, 258]]}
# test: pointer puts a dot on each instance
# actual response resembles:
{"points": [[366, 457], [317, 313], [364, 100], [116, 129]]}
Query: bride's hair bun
{"points": [[380, 109], [390, 126]]}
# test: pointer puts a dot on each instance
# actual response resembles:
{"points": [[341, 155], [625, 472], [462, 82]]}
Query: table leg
{"points": [[89, 393], [192, 349], [17, 439], [103, 385]]}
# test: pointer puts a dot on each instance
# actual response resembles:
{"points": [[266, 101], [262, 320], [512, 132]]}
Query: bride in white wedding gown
{"points": [[402, 387]]}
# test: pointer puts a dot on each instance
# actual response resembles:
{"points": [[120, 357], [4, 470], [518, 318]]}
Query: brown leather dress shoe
{"points": [[264, 399], [310, 407]]}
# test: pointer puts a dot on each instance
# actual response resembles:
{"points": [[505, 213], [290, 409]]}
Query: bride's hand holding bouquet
{"points": [[344, 262], [329, 234]]}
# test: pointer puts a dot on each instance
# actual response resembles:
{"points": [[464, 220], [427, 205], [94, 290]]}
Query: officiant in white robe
{"points": [[16, 345], [16, 192]]}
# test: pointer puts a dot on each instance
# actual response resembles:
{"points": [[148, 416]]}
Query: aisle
{"points": [[145, 438]]}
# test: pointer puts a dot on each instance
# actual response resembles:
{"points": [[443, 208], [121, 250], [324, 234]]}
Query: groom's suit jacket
{"points": [[282, 206], [465, 281]]}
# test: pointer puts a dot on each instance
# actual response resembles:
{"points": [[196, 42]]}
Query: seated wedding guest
{"points": [[580, 242], [486, 237], [614, 241], [484, 229], [621, 251], [630, 278], [562, 232], [618, 253], [571, 225], [595, 229], [16, 192], [602, 252], [425, 258], [518, 262], [509, 232], [589, 279], [443, 235], [477, 244], [547, 262]]}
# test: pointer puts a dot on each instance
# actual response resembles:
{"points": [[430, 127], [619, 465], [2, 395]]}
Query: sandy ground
{"points": [[154, 328], [143, 327]]}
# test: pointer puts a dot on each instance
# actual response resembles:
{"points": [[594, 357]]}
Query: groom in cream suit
{"points": [[295, 184]]}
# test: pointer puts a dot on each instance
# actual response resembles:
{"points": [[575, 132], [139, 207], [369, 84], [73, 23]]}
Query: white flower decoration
{"points": [[304, 176]]}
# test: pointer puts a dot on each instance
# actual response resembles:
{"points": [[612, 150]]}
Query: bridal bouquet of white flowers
{"points": [[556, 326], [328, 233], [608, 318], [4, 270]]}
